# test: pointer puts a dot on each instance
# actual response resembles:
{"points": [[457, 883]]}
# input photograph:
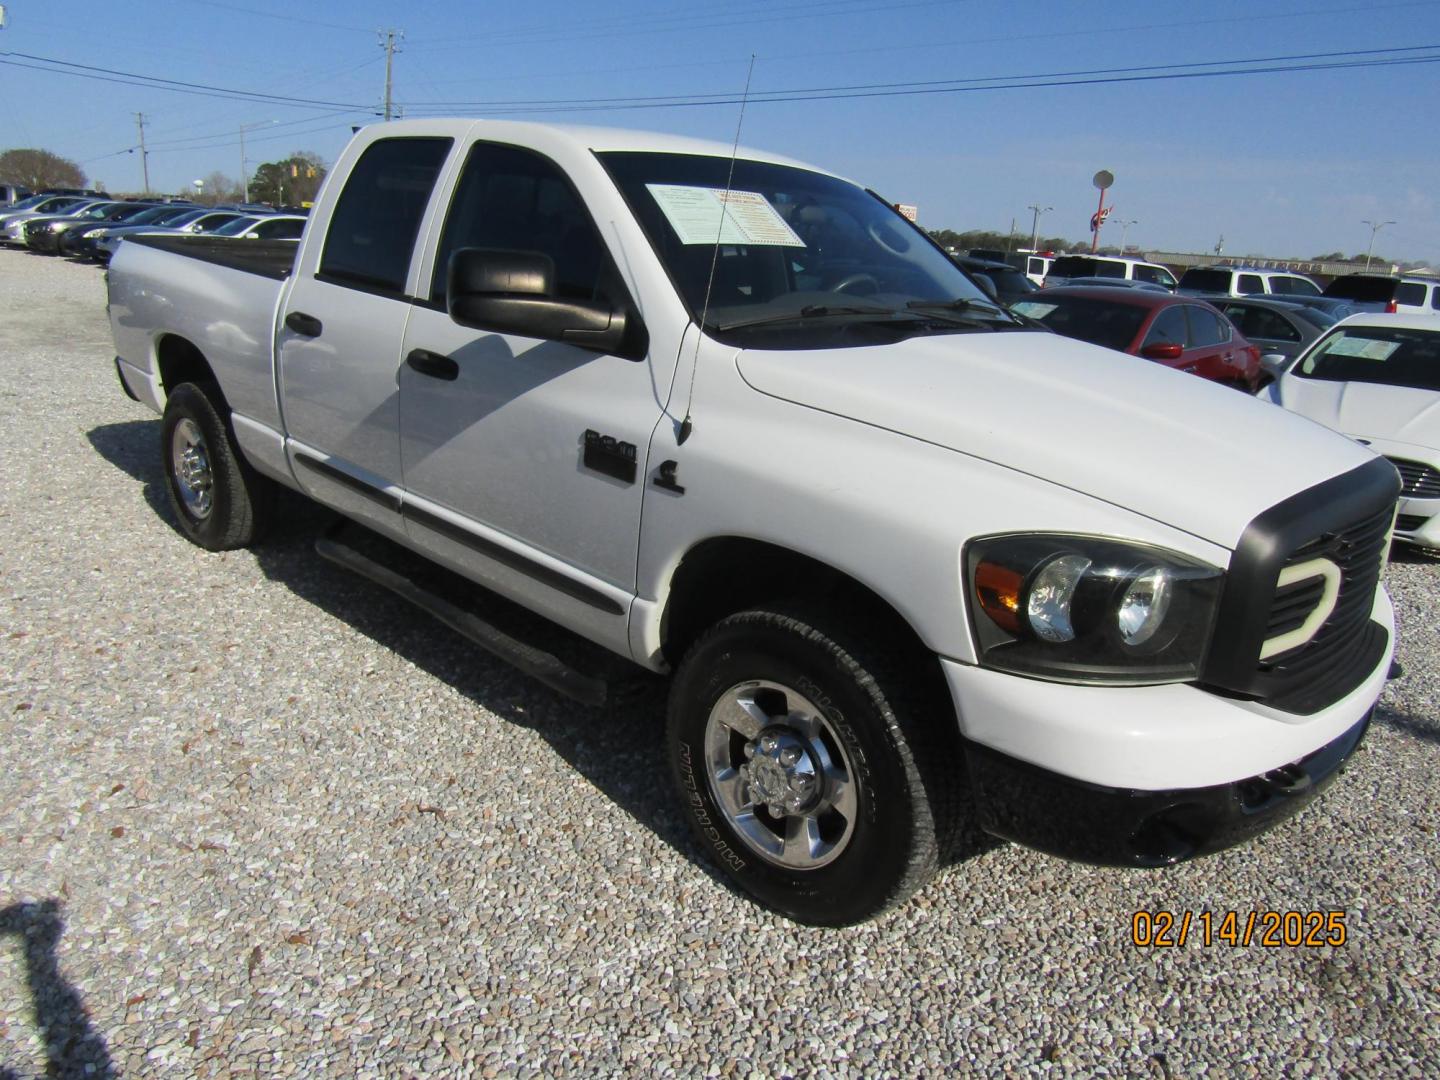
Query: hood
{"points": [[1367, 410], [1186, 452]]}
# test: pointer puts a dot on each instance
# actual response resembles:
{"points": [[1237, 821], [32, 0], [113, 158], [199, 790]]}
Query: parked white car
{"points": [[1108, 266], [1244, 281], [1376, 378]]}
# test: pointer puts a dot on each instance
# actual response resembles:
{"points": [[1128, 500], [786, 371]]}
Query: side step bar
{"points": [[549, 669]]}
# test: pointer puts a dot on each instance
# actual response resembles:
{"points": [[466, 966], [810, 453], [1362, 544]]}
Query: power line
{"points": [[677, 24], [156, 82], [285, 18], [1093, 76], [668, 21]]}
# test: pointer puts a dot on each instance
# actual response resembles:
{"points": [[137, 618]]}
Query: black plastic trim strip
{"points": [[354, 483], [514, 561], [120, 374]]}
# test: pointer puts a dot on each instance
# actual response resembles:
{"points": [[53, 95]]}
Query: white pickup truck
{"points": [[914, 564]]}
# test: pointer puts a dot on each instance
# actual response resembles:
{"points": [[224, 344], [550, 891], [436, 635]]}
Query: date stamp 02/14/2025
{"points": [[1238, 929]]}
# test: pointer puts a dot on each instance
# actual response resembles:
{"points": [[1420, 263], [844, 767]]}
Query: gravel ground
{"points": [[258, 818]]}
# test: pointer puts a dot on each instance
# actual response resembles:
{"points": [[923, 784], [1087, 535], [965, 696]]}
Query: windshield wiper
{"points": [[958, 305], [812, 311]]}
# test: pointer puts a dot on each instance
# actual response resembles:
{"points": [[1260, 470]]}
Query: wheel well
{"points": [[728, 574], [178, 361]]}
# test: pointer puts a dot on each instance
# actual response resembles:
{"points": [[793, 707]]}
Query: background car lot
{"points": [[294, 827]]}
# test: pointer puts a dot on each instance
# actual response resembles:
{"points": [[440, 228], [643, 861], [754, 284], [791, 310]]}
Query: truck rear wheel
{"points": [[218, 499], [808, 767]]}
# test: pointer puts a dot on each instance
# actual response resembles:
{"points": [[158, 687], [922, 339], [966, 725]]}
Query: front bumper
{"points": [[1124, 827], [1418, 522]]}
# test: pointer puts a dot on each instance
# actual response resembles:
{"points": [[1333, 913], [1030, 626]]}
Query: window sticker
{"points": [[699, 215], [1033, 309], [1363, 348]]}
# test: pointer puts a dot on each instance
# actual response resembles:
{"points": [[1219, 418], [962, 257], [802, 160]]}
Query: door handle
{"points": [[306, 325], [433, 364]]}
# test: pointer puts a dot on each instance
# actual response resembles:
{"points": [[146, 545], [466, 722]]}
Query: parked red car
{"points": [[1177, 331]]}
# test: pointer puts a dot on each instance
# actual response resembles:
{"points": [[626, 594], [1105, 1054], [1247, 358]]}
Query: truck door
{"points": [[524, 460], [342, 328]]}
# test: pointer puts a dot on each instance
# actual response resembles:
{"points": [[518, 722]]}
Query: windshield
{"points": [[1391, 356], [130, 212], [1317, 316], [234, 228], [803, 254], [1205, 281], [99, 210], [56, 203], [1100, 322], [1085, 266], [185, 219]]}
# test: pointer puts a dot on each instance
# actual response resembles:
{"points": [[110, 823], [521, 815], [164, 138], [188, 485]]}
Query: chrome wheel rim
{"points": [[780, 775], [190, 458]]}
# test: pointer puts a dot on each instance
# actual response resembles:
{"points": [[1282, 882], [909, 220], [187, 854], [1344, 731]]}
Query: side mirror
{"points": [[1274, 364], [1162, 350], [986, 286], [512, 292]]}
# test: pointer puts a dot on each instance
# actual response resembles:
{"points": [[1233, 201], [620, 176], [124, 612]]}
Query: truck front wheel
{"points": [[807, 765], [218, 499]]}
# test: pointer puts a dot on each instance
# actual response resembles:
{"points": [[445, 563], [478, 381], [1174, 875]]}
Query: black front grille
{"points": [[1410, 522], [1418, 481], [1337, 656], [1345, 521]]}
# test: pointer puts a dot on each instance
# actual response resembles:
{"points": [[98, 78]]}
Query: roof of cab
{"points": [[598, 139]]}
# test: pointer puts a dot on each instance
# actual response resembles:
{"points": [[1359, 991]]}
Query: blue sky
{"points": [[1280, 163]]}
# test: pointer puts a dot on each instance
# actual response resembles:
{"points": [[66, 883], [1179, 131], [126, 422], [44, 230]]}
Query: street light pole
{"points": [[1035, 222], [244, 168], [1374, 228], [1125, 228]]}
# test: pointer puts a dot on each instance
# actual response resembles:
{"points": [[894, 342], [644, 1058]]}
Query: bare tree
{"points": [[219, 188], [39, 169]]}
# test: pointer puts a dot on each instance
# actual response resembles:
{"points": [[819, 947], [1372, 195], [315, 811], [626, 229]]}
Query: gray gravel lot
{"points": [[258, 818]]}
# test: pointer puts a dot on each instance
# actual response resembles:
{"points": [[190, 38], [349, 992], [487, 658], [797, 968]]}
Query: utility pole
{"points": [[244, 167], [1374, 228], [1035, 222], [144, 154], [390, 44]]}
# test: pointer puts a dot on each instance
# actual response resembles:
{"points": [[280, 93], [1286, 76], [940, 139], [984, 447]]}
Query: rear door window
{"points": [[1261, 323], [1250, 283], [1168, 328], [372, 232], [1206, 327]]}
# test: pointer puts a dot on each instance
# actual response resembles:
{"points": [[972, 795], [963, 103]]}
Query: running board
{"points": [[541, 665]]}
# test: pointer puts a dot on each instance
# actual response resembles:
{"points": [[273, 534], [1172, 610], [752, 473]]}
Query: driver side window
{"points": [[516, 200]]}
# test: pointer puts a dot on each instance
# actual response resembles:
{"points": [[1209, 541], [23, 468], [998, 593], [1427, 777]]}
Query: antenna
{"points": [[685, 425]]}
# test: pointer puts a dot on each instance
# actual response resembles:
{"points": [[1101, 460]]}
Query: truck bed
{"points": [[268, 258]]}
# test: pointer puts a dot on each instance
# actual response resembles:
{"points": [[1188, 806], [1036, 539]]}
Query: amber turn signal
{"points": [[998, 590]]}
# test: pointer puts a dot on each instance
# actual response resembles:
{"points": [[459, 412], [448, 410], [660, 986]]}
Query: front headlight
{"points": [[1088, 609]]}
